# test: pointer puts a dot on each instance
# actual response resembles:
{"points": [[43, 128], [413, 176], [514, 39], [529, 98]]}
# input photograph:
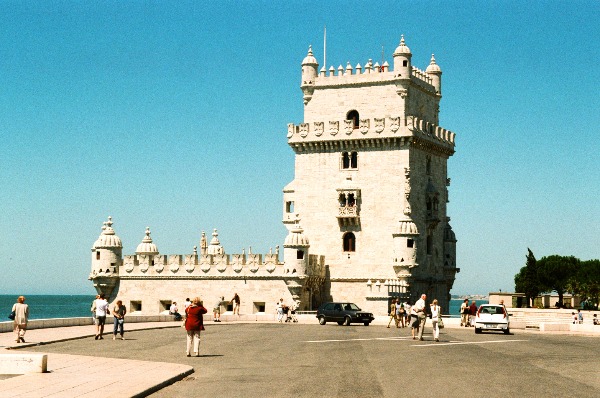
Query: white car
{"points": [[492, 317]]}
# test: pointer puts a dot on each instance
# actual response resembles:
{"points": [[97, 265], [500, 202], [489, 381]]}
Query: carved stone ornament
{"points": [[364, 125], [129, 264], [144, 262], [205, 266], [221, 262], [237, 267], [348, 126], [402, 92], [159, 263], [410, 120], [334, 127], [394, 123], [379, 125], [252, 264], [319, 128], [291, 129], [174, 263], [303, 130], [270, 266], [189, 263]]}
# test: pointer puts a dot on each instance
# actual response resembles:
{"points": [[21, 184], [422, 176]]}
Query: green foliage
{"points": [[556, 273], [586, 283], [526, 281]]}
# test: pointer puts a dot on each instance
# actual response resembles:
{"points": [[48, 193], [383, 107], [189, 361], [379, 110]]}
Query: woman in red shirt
{"points": [[193, 325]]}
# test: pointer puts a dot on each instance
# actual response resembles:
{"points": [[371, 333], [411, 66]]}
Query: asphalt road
{"points": [[292, 360]]}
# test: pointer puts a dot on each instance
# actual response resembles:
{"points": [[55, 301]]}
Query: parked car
{"points": [[343, 314], [492, 317]]}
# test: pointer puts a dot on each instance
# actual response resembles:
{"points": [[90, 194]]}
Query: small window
{"points": [[410, 243], [404, 63], [229, 307], [259, 307], [135, 306], [299, 254], [349, 242], [351, 200], [353, 115], [342, 200], [345, 160], [289, 207], [97, 255], [165, 305], [349, 160]]}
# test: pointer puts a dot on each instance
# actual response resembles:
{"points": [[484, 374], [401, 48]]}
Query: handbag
{"points": [[12, 315], [440, 323]]}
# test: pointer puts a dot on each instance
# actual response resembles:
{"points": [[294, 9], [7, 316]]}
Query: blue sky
{"points": [[173, 115]]}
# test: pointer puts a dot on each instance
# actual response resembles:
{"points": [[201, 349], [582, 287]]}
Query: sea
{"points": [[68, 306]]}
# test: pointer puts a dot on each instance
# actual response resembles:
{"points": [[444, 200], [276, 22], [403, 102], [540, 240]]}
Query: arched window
{"points": [[349, 242], [342, 200], [354, 160], [345, 160], [353, 115], [351, 200]]}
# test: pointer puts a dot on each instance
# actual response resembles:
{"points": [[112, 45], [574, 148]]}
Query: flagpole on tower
{"points": [[325, 48]]}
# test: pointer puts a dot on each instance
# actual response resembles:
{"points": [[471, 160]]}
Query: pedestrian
{"points": [[21, 311], [574, 317], [392, 313], [101, 312], [419, 308], [464, 313], [194, 323], [293, 309], [580, 316], [119, 312], [399, 314], [436, 314], [472, 313], [186, 304], [173, 310], [236, 304], [217, 309], [280, 306], [407, 311], [414, 323], [595, 320], [93, 309]]}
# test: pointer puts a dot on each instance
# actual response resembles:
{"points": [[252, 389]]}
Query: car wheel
{"points": [[507, 331], [367, 323], [346, 321], [477, 330], [322, 320]]}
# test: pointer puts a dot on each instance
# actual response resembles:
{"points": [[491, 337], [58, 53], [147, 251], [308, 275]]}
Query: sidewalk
{"points": [[84, 376]]}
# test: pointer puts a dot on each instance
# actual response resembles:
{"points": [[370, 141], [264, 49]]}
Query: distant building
{"points": [[366, 211]]}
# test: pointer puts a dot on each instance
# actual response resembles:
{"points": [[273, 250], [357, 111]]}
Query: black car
{"points": [[343, 314]]}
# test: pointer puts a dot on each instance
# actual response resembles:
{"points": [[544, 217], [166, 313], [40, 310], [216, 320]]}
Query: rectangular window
{"points": [[259, 307], [165, 305], [299, 254], [97, 255], [289, 207], [135, 306], [230, 307], [410, 243]]}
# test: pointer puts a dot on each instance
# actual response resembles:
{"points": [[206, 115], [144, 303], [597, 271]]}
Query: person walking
{"points": [[419, 308], [101, 312], [21, 311], [217, 309], [464, 313], [236, 304], [399, 314], [392, 313], [579, 316], [414, 323], [472, 313], [93, 309], [119, 312], [194, 323], [436, 314], [280, 306]]}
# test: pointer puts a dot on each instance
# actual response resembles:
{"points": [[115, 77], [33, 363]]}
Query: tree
{"points": [[526, 281], [586, 283], [556, 273]]}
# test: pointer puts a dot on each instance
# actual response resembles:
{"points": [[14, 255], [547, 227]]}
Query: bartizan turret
{"points": [[106, 259], [435, 73], [295, 251], [310, 68]]}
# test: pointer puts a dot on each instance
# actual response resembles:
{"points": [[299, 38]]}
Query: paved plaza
{"points": [[307, 360]]}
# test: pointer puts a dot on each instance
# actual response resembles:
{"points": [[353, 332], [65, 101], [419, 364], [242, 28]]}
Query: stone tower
{"points": [[106, 259], [371, 180]]}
